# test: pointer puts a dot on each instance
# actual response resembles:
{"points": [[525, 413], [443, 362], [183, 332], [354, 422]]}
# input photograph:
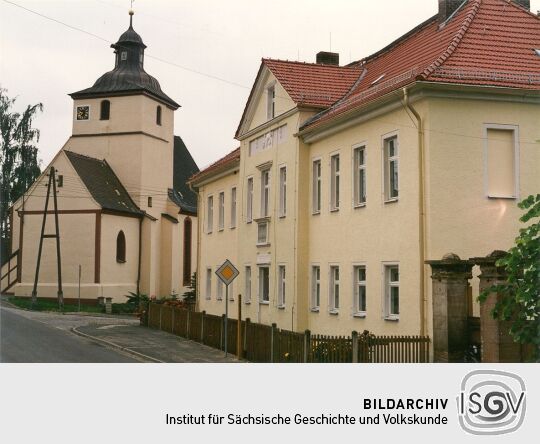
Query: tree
{"points": [[191, 295], [520, 295], [19, 164]]}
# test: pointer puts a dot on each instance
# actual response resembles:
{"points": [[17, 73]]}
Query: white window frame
{"points": [[263, 227], [247, 284], [210, 214], [282, 285], [261, 285], [335, 181], [333, 308], [208, 290], [221, 211], [515, 130], [387, 286], [315, 296], [233, 207], [387, 161], [357, 312], [219, 288], [249, 199], [283, 191], [316, 186], [265, 193], [359, 185], [271, 101]]}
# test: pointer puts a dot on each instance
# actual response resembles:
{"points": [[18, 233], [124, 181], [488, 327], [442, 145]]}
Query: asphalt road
{"points": [[28, 340]]}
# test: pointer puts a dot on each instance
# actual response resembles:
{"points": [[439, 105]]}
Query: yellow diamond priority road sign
{"points": [[227, 272]]}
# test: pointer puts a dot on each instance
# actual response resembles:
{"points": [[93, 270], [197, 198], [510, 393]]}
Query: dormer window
{"points": [[105, 110], [123, 55], [158, 115]]}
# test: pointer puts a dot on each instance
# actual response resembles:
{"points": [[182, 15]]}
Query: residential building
{"points": [[421, 149]]}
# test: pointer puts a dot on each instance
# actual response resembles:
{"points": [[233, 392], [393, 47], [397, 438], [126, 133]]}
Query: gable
{"points": [[255, 113]]}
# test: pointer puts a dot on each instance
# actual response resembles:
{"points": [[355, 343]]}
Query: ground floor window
{"points": [[391, 284], [208, 283], [220, 287], [334, 289], [359, 290], [281, 286], [264, 285], [315, 288], [247, 290]]}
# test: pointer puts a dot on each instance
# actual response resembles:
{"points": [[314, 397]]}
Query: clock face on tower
{"points": [[83, 112]]}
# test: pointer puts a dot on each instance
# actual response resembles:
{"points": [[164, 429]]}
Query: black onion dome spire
{"points": [[128, 75]]}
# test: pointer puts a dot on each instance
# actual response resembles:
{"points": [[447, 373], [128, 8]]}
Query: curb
{"points": [[116, 346]]}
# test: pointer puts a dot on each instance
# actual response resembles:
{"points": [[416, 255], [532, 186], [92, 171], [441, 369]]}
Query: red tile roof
{"points": [[312, 84], [220, 165], [487, 42]]}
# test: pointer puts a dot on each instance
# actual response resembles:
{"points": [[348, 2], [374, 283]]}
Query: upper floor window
{"points": [[149, 201], [158, 115], [359, 175], [265, 193], [123, 55], [391, 169], [105, 110], [316, 204], [283, 191], [501, 162], [233, 207], [334, 182], [210, 214], [271, 102], [121, 247], [221, 211], [249, 200]]}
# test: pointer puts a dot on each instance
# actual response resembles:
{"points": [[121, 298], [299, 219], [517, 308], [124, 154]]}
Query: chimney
{"points": [[447, 8], [328, 58], [524, 3]]}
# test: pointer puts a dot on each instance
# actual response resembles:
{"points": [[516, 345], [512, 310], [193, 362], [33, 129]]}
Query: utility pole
{"points": [[52, 182]]}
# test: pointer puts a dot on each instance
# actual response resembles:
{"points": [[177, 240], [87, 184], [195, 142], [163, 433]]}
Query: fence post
{"points": [[273, 331], [248, 321], [354, 335], [202, 326], [307, 345], [188, 322], [222, 331], [160, 312], [239, 332]]}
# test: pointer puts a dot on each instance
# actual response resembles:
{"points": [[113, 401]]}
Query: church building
{"points": [[126, 215]]}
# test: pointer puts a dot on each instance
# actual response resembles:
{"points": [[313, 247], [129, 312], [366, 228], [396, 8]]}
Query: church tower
{"points": [[126, 119]]}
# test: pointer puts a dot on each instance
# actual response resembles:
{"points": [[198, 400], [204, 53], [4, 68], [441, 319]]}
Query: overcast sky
{"points": [[204, 41]]}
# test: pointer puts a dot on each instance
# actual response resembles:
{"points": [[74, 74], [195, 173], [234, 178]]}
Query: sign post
{"points": [[227, 273]]}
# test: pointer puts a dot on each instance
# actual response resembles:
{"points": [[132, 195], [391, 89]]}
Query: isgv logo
{"points": [[491, 402]]}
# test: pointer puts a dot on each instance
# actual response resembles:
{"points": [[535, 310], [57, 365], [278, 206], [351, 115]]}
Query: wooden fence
{"points": [[267, 343]]}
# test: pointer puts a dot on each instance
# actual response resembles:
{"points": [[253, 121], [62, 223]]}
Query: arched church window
{"points": [[121, 247], [105, 111], [187, 251], [158, 115]]}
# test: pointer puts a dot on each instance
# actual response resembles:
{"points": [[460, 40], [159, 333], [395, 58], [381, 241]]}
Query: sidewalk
{"points": [[152, 345]]}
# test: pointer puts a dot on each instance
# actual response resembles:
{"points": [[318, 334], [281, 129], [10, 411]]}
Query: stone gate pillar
{"points": [[497, 344], [450, 282]]}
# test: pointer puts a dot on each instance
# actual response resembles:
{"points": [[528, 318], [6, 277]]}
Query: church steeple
{"points": [[130, 48], [128, 75]]}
